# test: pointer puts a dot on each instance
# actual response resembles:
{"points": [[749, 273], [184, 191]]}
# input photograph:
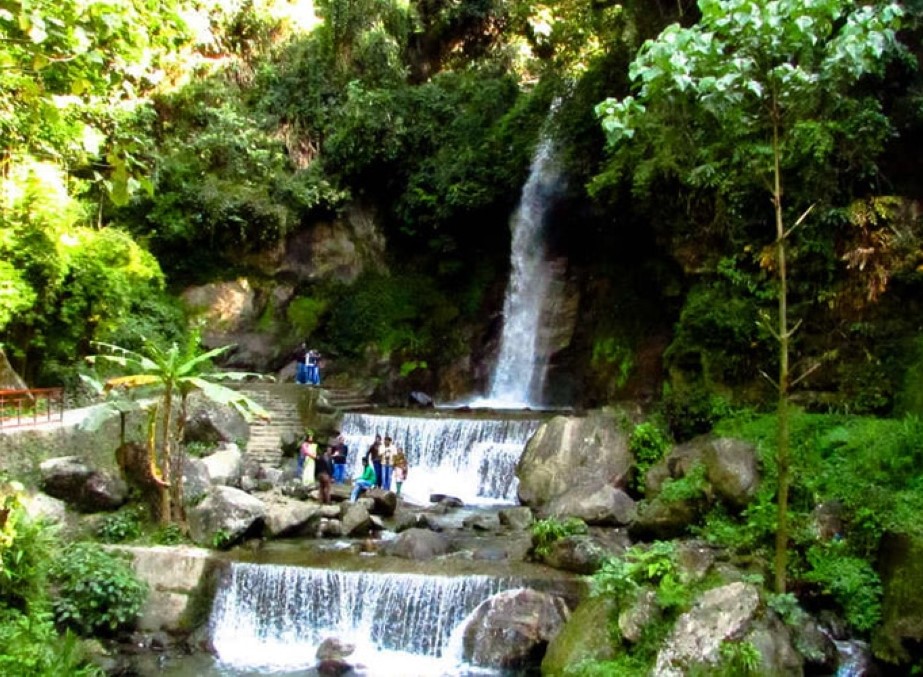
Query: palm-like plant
{"points": [[169, 376]]}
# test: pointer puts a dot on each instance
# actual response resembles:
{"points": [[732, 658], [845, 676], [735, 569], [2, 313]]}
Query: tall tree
{"points": [[759, 92]]}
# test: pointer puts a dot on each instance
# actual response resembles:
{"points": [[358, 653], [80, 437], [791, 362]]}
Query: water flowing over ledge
{"points": [[471, 458], [272, 618]]}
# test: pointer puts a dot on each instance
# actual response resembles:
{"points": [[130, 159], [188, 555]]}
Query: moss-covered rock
{"points": [[587, 635], [901, 570]]}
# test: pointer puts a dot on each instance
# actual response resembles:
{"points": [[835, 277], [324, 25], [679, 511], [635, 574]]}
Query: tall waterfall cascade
{"points": [[519, 374], [272, 618], [473, 459]]}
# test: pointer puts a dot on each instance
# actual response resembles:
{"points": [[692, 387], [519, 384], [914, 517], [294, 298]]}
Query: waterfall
{"points": [[471, 458], [272, 618], [519, 374]]}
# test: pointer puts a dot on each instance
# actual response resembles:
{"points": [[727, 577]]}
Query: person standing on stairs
{"points": [[313, 367], [301, 364]]}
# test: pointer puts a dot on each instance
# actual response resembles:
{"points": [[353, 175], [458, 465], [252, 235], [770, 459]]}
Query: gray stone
{"points": [[210, 422], [732, 468], [594, 448], [512, 629], [694, 561], [664, 519], [356, 520], [580, 554], [225, 466], [385, 501], [520, 518], [68, 478], [595, 504], [585, 636], [480, 522], [718, 615], [418, 544], [642, 611], [196, 480], [228, 511], [41, 506], [330, 528], [334, 648], [288, 517]]}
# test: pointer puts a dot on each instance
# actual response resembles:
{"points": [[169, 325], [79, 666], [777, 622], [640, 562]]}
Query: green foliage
{"points": [[852, 583], [654, 564], [304, 314], [610, 352], [200, 449], [738, 659], [30, 645], [692, 411], [119, 527], [690, 487], [546, 531], [648, 444], [626, 665], [96, 591], [169, 534], [221, 540]]}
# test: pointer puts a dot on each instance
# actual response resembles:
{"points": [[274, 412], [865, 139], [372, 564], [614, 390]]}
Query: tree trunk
{"points": [[783, 442]]}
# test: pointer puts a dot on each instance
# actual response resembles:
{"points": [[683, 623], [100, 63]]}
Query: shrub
{"points": [[119, 527], [171, 534], [545, 532], [96, 591], [621, 577], [692, 411], [852, 583], [648, 444]]}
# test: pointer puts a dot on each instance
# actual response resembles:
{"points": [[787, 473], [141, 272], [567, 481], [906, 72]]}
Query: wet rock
{"points": [[447, 501], [418, 544], [420, 399], [580, 554], [594, 504], [330, 528], [332, 511], [385, 501], [332, 648], [585, 636], [512, 629], [227, 511], [520, 518], [854, 658], [71, 480], [694, 560], [593, 447], [480, 523]]}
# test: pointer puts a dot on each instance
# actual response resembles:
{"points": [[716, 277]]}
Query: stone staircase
{"points": [[347, 399], [289, 408]]}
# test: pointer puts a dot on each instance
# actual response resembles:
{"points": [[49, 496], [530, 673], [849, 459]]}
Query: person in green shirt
{"points": [[367, 481]]}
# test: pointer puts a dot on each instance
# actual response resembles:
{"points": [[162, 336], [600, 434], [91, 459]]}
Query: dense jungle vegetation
{"points": [[742, 182]]}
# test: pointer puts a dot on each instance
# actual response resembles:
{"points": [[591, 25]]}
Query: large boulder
{"points": [[592, 448], [517, 519], [663, 519], [385, 501], [730, 613], [46, 508], [901, 570], [355, 519], [228, 512], [595, 504], [585, 636], [209, 422], [196, 480], [731, 468], [225, 466], [581, 554], [418, 544], [285, 517], [70, 479], [512, 629]]}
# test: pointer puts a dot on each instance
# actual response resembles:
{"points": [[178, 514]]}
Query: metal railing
{"points": [[31, 407]]}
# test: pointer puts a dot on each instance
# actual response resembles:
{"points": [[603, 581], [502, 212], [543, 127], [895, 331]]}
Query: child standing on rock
{"points": [[400, 469]]}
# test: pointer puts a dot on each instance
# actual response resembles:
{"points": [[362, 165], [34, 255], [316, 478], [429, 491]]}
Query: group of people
{"points": [[307, 365], [382, 463], [324, 467]]}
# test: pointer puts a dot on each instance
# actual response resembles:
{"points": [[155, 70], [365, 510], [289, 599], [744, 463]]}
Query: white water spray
{"points": [[519, 374], [272, 618], [473, 459]]}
